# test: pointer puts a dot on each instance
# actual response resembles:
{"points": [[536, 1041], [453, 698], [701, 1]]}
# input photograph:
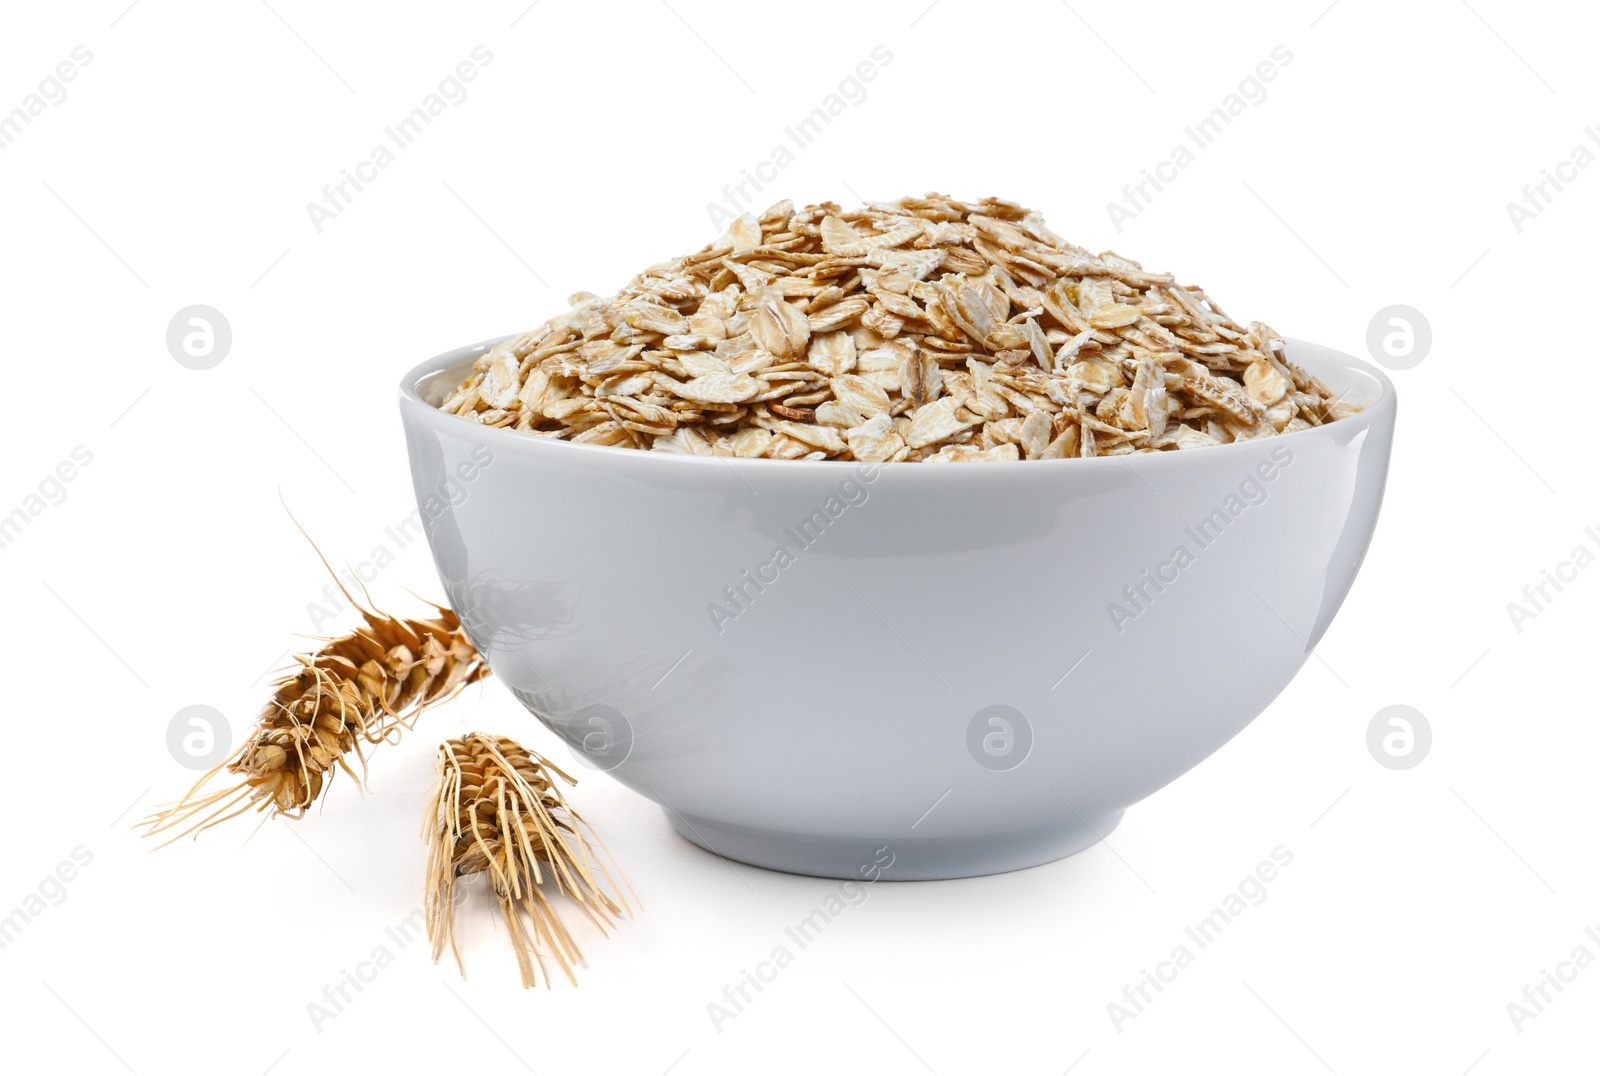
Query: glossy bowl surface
{"points": [[905, 670]]}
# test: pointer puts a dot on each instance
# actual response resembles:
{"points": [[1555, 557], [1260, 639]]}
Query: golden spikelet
{"points": [[358, 689], [496, 808]]}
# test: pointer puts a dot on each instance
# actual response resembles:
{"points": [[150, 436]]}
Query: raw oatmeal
{"points": [[926, 329]]}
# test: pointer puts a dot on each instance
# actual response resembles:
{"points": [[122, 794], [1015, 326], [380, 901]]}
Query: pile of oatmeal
{"points": [[920, 330]]}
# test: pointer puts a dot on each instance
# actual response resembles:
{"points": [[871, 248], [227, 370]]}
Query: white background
{"points": [[1376, 171]]}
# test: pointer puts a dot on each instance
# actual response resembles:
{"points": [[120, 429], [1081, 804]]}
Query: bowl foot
{"points": [[892, 858]]}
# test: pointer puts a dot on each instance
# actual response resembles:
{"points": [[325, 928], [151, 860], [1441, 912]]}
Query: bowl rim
{"points": [[1377, 414]]}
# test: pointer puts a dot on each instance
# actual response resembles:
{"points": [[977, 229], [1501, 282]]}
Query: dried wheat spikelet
{"points": [[496, 809], [357, 690]]}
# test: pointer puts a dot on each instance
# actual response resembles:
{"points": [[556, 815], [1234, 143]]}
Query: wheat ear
{"points": [[357, 690], [496, 808]]}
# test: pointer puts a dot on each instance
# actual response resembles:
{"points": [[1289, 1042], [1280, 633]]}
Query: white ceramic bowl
{"points": [[913, 670]]}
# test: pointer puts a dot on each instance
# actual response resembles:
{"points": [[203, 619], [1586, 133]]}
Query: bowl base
{"points": [[892, 858]]}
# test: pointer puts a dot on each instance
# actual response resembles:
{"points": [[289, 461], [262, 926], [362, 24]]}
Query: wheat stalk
{"points": [[358, 689], [497, 809]]}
